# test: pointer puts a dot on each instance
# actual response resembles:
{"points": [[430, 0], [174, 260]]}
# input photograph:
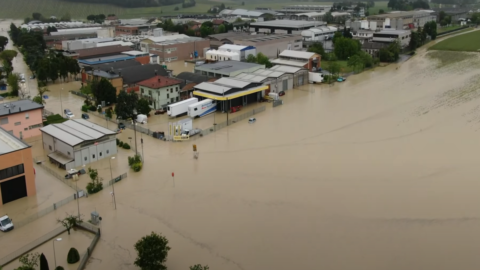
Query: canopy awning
{"points": [[60, 157]]}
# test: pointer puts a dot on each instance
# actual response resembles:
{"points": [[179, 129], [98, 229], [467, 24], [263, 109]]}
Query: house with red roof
{"points": [[160, 91]]}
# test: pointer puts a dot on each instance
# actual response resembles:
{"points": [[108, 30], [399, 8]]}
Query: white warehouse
{"points": [[319, 33], [77, 142]]}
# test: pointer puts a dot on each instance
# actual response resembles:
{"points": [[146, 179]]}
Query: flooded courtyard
{"points": [[378, 172]]}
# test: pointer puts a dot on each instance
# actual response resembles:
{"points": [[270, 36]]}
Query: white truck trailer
{"points": [[181, 107], [202, 108]]}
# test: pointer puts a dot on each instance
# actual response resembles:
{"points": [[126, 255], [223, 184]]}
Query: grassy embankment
{"points": [[469, 42]]}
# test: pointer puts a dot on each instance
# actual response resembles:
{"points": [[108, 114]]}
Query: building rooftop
{"points": [[373, 45], [117, 65], [135, 53], [108, 50], [159, 82], [251, 77], [24, 105], [76, 131], [234, 47], [134, 74], [285, 24], [105, 59], [297, 54], [230, 35], [10, 143], [392, 32], [286, 69], [227, 66], [192, 77], [400, 14]]}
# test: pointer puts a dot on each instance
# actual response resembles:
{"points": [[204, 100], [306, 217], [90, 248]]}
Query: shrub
{"points": [[87, 102], [59, 268], [95, 185], [120, 143], [137, 167], [92, 108], [73, 256], [99, 109], [133, 160], [43, 262], [84, 108], [41, 84], [126, 146]]}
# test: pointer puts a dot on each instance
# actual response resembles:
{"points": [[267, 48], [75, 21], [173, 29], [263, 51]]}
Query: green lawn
{"points": [[343, 66], [378, 6], [469, 42]]}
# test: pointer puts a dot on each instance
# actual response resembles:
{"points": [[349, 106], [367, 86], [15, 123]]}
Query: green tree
{"points": [[336, 36], [73, 256], [414, 41], [475, 18], [69, 222], [95, 184], [199, 267], [333, 67], [263, 60], [354, 62], [103, 90], [346, 47], [126, 105], [143, 106], [251, 58], [3, 43], [66, 17], [221, 28], [43, 263], [29, 261], [39, 98], [152, 251], [317, 48], [328, 17], [12, 80], [381, 11]]}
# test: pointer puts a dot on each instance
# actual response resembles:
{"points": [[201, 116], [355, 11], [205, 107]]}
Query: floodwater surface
{"points": [[378, 172]]}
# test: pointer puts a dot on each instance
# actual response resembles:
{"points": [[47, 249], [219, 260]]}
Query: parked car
{"points": [[282, 93], [341, 79], [121, 126], [157, 112], [6, 224], [85, 116], [68, 113], [32, 77], [73, 172], [252, 120]]}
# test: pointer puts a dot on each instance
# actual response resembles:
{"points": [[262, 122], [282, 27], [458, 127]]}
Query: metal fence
{"points": [[54, 173], [232, 120], [89, 251], [30, 246], [116, 179]]}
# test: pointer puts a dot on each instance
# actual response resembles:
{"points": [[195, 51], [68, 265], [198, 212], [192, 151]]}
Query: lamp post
{"points": [[113, 183], [54, 256], [135, 130], [61, 106]]}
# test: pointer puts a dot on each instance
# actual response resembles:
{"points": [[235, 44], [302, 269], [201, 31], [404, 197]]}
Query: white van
{"points": [[142, 118], [314, 77], [6, 224]]}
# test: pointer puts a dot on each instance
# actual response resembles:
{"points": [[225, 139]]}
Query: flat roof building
{"points": [[17, 176], [389, 36], [307, 60], [403, 19], [287, 26], [175, 47], [295, 9], [77, 142], [227, 68]]}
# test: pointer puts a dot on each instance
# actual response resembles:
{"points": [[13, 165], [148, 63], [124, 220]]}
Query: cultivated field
{"points": [[20, 9], [467, 42]]}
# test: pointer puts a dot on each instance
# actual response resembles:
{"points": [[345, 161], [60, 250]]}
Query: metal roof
{"points": [[10, 143], [74, 132], [234, 47], [227, 67], [297, 54], [231, 82], [251, 77], [286, 69], [210, 87], [284, 23], [271, 73], [247, 13]]}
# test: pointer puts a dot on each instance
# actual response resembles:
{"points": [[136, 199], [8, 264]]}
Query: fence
{"points": [[52, 172], [117, 179], [30, 246], [232, 120], [451, 31], [88, 252]]}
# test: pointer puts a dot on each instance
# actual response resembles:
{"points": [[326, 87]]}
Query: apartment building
{"points": [[22, 118]]}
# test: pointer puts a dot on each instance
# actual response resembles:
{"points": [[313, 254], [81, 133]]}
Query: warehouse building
{"points": [[226, 68], [308, 16], [300, 75], [296, 9], [75, 143], [17, 176], [319, 33], [277, 80], [403, 19], [284, 26], [390, 36], [175, 47], [231, 92]]}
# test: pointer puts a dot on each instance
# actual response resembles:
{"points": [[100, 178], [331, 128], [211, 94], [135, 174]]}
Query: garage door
{"points": [[13, 189]]}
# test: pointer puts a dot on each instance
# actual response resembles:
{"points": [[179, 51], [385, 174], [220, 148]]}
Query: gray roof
{"points": [[192, 77], [8, 108], [226, 66], [136, 74], [10, 143], [76, 131], [117, 65], [285, 24]]}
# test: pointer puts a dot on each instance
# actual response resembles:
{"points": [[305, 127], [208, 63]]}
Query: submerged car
{"points": [[68, 113], [252, 120], [6, 224], [85, 116], [121, 126]]}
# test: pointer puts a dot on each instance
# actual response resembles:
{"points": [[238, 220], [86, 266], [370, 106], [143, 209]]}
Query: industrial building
{"points": [[296, 9], [189, 80], [373, 48], [226, 68], [300, 75], [277, 80], [230, 92], [131, 30], [284, 26], [242, 51], [246, 13], [22, 118], [308, 16], [78, 142], [399, 20], [175, 47], [319, 33], [72, 45], [99, 51], [307, 60], [389, 36], [17, 176]]}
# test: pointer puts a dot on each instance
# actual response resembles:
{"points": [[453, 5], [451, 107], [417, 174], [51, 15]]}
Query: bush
{"points": [[87, 102], [99, 109], [84, 108], [73, 256], [120, 143], [133, 160], [41, 84], [54, 119], [126, 146], [59, 268], [137, 166], [92, 108], [94, 187]]}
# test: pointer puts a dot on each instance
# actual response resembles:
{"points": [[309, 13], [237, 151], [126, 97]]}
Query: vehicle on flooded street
{"points": [[85, 116], [252, 120], [6, 224]]}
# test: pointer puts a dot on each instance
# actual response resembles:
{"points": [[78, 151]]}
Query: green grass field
{"points": [[20, 9], [469, 42], [378, 6], [343, 66]]}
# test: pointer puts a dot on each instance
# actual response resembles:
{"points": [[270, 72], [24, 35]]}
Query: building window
{"points": [[11, 171], [50, 147], [171, 90], [150, 92], [176, 89], [27, 116], [93, 156], [141, 90], [108, 151], [172, 100], [100, 154], [18, 123], [25, 129], [178, 98], [85, 158], [4, 121], [168, 95], [36, 126], [68, 153]]}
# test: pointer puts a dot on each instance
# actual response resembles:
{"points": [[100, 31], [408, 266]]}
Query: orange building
{"points": [[17, 176]]}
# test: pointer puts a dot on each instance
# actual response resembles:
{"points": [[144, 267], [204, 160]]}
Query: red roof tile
{"points": [[159, 82]]}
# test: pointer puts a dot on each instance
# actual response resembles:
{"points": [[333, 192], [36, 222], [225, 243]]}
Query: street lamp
{"points": [[61, 106], [113, 183], [54, 256]]}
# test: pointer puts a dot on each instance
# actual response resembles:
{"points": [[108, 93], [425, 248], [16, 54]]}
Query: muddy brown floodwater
{"points": [[379, 172]]}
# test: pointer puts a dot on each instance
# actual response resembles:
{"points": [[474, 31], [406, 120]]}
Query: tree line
{"points": [[31, 44], [132, 3], [56, 66], [36, 16], [206, 28], [407, 5], [419, 37]]}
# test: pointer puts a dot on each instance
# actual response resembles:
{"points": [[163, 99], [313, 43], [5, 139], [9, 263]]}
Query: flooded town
{"points": [[376, 170]]}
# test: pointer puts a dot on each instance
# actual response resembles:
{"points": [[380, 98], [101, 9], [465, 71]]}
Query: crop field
{"points": [[469, 42], [378, 6]]}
